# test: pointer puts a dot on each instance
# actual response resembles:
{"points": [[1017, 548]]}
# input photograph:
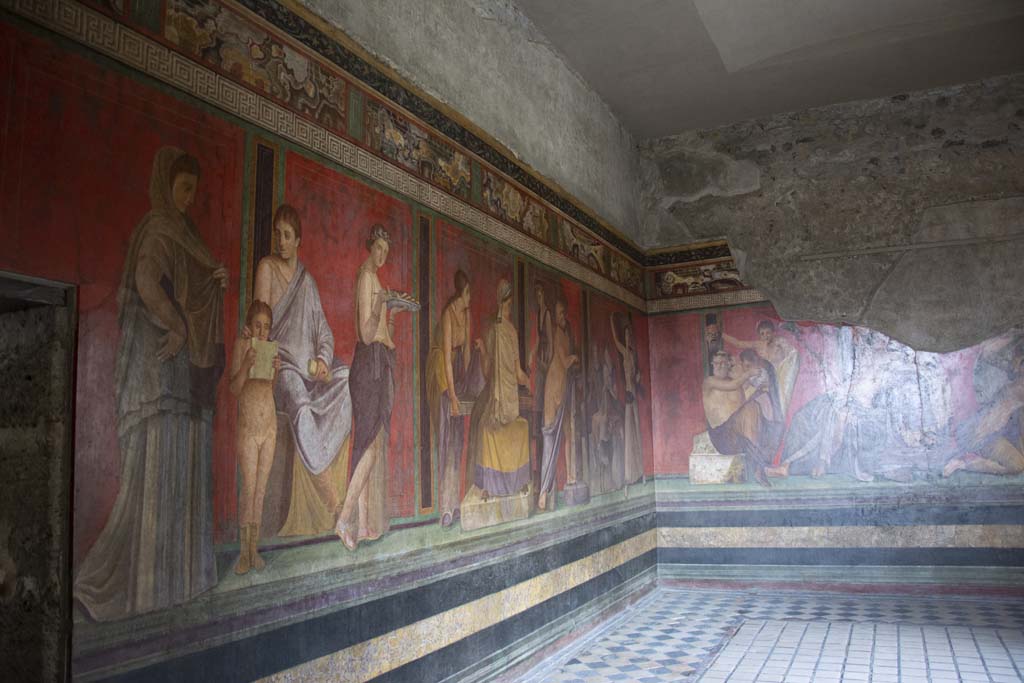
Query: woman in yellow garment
{"points": [[499, 442], [453, 375]]}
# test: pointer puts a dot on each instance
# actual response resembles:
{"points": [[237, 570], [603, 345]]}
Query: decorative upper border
{"points": [[262, 62], [696, 277]]}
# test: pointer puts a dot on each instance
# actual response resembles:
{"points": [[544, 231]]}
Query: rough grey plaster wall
{"points": [[487, 61], [34, 493], [795, 194]]}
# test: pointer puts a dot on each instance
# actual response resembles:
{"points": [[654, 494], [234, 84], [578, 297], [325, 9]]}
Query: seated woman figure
{"points": [[499, 446]]}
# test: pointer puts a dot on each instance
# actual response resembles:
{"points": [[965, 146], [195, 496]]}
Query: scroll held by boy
{"points": [[263, 368]]}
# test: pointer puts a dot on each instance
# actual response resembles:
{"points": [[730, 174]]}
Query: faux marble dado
{"points": [[377, 656], [332, 599]]}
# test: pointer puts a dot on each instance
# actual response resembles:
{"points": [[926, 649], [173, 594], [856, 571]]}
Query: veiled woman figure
{"points": [[156, 549], [453, 375], [631, 371], [499, 445]]}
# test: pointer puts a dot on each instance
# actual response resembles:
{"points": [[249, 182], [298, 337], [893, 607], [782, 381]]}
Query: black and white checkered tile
{"points": [[675, 634]]}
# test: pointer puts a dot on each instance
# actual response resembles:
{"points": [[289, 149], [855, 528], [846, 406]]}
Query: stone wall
{"points": [[902, 214], [34, 493]]}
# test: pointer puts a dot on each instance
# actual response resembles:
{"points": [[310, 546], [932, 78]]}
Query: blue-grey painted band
{"points": [[865, 515]]}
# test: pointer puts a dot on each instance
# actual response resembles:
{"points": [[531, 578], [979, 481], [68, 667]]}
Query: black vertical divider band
{"points": [[263, 205], [426, 465]]}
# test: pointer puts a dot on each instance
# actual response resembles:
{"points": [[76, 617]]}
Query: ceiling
{"points": [[665, 66]]}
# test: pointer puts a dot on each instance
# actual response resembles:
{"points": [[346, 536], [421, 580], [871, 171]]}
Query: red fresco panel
{"points": [[337, 214], [78, 152], [677, 412]]}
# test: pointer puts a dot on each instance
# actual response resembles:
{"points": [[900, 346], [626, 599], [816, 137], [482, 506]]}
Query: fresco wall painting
{"points": [[777, 400], [278, 366], [313, 363]]}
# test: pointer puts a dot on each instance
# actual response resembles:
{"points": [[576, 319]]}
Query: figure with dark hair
{"points": [[606, 467], [779, 352], [558, 401], [736, 423], [257, 433], [372, 384], [499, 440], [632, 441], [453, 375], [312, 385], [156, 549]]}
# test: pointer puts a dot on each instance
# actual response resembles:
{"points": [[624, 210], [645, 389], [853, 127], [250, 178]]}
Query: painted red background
{"points": [[486, 265], [77, 151], [337, 214]]}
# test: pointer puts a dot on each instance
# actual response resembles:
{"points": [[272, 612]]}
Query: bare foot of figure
{"points": [[542, 500], [953, 466], [819, 470], [780, 471], [344, 531]]}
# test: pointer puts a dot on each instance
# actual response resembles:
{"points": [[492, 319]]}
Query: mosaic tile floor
{"points": [[719, 636]]}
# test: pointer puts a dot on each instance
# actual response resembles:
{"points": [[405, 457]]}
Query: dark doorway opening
{"points": [[37, 348]]}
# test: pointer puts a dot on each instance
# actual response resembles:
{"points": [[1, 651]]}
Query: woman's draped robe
{"points": [[156, 549], [499, 447], [448, 430], [558, 403], [319, 413]]}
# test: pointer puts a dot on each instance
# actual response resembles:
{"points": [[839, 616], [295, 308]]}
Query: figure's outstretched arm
{"points": [[738, 343], [615, 338]]}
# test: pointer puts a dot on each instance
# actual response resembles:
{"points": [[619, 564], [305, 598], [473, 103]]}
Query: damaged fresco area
{"points": [[762, 400]]}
